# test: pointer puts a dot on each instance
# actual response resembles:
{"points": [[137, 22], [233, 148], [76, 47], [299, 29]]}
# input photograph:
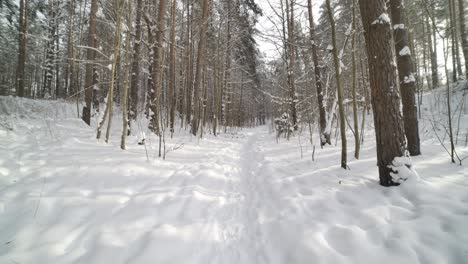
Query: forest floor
{"points": [[238, 198]]}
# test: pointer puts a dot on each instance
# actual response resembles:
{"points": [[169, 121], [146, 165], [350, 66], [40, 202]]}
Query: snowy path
{"points": [[231, 199]]}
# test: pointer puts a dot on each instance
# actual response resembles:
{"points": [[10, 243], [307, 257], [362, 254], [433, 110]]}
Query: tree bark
{"points": [[355, 108], [135, 75], [125, 129], [22, 41], [389, 131], [155, 90], [292, 62], [200, 64], [406, 76], [90, 69], [324, 137], [172, 70], [339, 90]]}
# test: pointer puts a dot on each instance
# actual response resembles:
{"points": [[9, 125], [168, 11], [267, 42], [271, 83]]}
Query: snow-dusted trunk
{"points": [[189, 66], [90, 69], [339, 90], [292, 62], [172, 70], [155, 89], [125, 128], [389, 131], [406, 76], [324, 138], [135, 76], [354, 85], [22, 39]]}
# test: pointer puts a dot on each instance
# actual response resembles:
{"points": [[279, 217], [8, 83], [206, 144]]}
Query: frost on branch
{"points": [[403, 170], [382, 19]]}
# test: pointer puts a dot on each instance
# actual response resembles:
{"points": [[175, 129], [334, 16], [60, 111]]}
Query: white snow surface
{"points": [[237, 198]]}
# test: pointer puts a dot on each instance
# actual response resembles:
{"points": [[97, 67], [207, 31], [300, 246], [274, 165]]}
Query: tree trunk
{"points": [[200, 64], [453, 39], [135, 76], [155, 90], [125, 129], [389, 131], [22, 40], [355, 108], [90, 69], [172, 70], [324, 137], [463, 33], [292, 62], [189, 74], [339, 90], [117, 39], [431, 28], [406, 76]]}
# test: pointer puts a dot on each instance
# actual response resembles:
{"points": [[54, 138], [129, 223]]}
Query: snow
{"points": [[405, 51], [237, 198], [382, 19], [398, 26]]}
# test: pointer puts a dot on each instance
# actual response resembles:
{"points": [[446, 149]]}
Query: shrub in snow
{"points": [[403, 170], [283, 125]]}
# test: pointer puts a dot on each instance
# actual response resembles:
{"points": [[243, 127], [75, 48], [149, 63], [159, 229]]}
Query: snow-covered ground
{"points": [[237, 198]]}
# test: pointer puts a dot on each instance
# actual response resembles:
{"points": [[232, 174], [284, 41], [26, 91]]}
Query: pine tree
{"points": [[389, 131]]}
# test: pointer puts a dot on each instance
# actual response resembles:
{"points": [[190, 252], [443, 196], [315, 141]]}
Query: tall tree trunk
{"points": [[125, 129], [200, 64], [172, 70], [463, 33], [155, 90], [354, 84], [292, 62], [189, 74], [135, 75], [433, 50], [454, 41], [324, 137], [22, 40], [406, 76], [339, 90], [90, 69], [389, 131]]}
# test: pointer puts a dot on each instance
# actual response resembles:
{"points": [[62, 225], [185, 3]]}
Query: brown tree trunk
{"points": [[22, 40], [354, 84], [200, 63], [338, 87], [155, 90], [189, 74], [389, 131], [324, 137], [135, 74], [125, 129], [90, 70], [406, 76], [292, 62], [172, 70], [454, 41]]}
